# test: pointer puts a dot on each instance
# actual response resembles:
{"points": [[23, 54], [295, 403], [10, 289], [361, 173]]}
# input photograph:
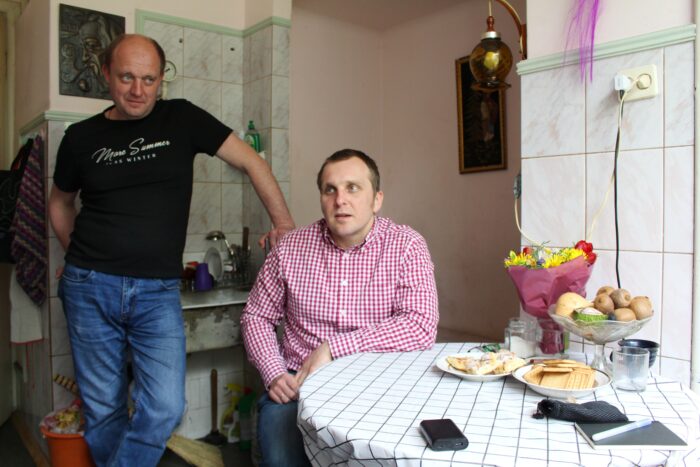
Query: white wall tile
{"points": [[261, 53], [61, 365], [171, 39], [640, 274], [207, 168], [280, 50], [56, 255], [280, 102], [553, 206], [677, 370], [174, 89], [553, 112], [232, 59], [642, 125], [204, 93], [230, 174], [279, 152], [246, 59], [640, 200], [202, 54], [677, 306], [232, 206], [55, 135], [232, 106], [257, 102], [193, 393], [679, 112], [678, 199], [60, 343], [205, 209]]}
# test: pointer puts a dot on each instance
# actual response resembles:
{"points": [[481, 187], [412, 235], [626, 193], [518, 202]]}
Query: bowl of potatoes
{"points": [[613, 314]]}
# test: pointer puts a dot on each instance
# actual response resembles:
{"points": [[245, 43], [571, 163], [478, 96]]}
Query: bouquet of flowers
{"points": [[541, 274]]}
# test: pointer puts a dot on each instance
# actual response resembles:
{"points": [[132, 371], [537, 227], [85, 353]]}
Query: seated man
{"points": [[351, 282]]}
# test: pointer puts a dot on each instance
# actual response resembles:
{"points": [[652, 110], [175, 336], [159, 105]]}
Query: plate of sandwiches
{"points": [[480, 367], [562, 378]]}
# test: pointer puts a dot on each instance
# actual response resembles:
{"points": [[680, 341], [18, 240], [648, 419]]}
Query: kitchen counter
{"points": [[212, 318], [214, 297]]}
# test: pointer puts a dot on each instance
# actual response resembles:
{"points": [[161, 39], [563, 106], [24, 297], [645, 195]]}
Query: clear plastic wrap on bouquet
{"points": [[538, 289]]}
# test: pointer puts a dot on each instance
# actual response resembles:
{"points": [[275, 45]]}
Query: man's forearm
{"points": [[269, 192], [261, 346], [241, 156]]}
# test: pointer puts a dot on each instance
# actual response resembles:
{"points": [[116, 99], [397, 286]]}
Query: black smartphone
{"points": [[443, 435]]}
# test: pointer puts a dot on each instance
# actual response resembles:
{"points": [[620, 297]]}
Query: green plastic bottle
{"points": [[252, 137], [245, 417]]}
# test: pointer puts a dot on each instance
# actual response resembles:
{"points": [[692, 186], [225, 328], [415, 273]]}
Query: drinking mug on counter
{"points": [[630, 366], [202, 278]]}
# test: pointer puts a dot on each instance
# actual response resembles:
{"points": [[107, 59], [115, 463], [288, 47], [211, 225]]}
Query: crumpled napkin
{"points": [[594, 412]]}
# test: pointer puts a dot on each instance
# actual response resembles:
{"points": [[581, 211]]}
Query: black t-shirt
{"points": [[135, 183]]}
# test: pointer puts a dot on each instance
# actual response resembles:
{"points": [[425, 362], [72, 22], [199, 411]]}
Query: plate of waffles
{"points": [[562, 378], [480, 367]]}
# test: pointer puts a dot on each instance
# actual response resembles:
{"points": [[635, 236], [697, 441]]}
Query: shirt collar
{"points": [[378, 226]]}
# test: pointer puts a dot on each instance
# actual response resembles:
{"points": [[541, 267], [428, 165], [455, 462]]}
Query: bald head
{"points": [[108, 54]]}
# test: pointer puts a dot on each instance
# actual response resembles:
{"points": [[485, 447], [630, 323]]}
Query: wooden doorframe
{"points": [[10, 11]]}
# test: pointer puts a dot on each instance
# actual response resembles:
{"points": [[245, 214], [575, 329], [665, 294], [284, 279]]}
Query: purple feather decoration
{"points": [[581, 33]]}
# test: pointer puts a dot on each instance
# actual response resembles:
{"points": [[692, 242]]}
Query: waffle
{"points": [[491, 363], [561, 374]]}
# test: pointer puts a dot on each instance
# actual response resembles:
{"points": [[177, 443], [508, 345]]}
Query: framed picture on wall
{"points": [[482, 129], [83, 36]]}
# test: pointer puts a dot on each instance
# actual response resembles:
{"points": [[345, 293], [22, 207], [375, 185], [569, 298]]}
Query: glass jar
{"points": [[520, 337], [552, 340]]}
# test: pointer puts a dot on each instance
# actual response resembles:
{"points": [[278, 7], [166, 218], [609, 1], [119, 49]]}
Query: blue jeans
{"points": [[110, 317], [279, 438]]}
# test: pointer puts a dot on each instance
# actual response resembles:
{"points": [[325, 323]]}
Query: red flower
{"points": [[585, 246], [527, 250], [591, 257]]}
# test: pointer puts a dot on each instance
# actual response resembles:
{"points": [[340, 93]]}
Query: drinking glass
{"points": [[630, 368]]}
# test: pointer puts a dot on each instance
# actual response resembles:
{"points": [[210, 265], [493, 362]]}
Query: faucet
{"points": [[219, 235]]}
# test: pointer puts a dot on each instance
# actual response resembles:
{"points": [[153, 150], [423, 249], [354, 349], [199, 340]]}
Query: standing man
{"points": [[351, 282], [133, 165]]}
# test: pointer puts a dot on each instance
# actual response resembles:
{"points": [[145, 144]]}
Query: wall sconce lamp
{"points": [[491, 59]]}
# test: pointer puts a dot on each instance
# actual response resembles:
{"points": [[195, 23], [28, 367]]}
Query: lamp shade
{"points": [[490, 63]]}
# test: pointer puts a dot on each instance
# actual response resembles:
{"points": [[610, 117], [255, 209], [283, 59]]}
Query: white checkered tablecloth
{"points": [[365, 409]]}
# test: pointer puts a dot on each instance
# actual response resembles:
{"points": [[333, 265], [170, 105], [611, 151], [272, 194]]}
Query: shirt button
{"points": [[342, 312], [344, 282]]}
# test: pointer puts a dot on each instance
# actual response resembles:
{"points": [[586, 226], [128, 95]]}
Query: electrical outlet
{"points": [[646, 85]]}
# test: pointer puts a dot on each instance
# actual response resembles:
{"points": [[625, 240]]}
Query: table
{"points": [[364, 409]]}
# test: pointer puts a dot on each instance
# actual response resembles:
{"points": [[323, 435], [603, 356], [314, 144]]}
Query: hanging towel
{"points": [[9, 188], [29, 227], [25, 315]]}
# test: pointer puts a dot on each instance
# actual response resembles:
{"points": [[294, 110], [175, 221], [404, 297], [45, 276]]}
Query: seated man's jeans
{"points": [[279, 438], [109, 317]]}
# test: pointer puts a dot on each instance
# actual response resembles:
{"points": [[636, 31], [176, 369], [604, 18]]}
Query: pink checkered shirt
{"points": [[379, 296]]}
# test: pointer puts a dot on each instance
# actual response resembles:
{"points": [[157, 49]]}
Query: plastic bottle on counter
{"points": [[252, 137], [246, 417]]}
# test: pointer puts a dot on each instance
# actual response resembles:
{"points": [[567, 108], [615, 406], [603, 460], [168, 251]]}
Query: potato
{"points": [[624, 314]]}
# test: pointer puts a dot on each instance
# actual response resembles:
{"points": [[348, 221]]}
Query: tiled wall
{"points": [[568, 140], [236, 79]]}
